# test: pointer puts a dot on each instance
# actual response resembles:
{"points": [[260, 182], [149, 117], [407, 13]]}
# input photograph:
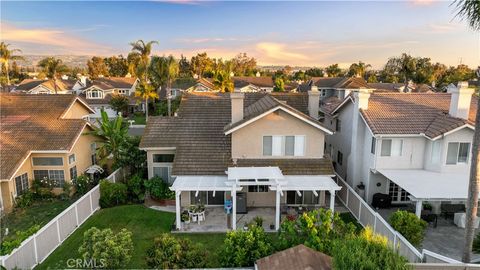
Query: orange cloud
{"points": [[58, 41], [278, 51]]}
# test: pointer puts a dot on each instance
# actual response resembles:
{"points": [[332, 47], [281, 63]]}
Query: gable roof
{"points": [[397, 87], [242, 81], [107, 83], [297, 257], [34, 123], [29, 84], [197, 133], [414, 113]]}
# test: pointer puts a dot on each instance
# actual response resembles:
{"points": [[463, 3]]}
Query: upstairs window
{"points": [[47, 161], [458, 153], [340, 158], [338, 126], [71, 159], [373, 146], [159, 158], [95, 94], [284, 145], [21, 183], [391, 148]]}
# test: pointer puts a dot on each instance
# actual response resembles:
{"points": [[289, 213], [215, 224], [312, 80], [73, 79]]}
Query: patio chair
{"points": [[449, 210]]}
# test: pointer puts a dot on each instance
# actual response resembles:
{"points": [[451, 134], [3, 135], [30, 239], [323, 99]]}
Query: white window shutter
{"points": [[299, 146], [276, 145]]}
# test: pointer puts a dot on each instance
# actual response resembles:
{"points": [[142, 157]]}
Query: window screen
{"points": [[267, 145], [463, 152], [386, 148], [21, 183], [47, 161]]}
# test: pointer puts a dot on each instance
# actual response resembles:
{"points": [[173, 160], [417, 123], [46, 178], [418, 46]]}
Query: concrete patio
{"points": [[446, 239]]}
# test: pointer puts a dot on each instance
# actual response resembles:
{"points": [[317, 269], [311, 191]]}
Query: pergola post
{"points": [[277, 209], [234, 207], [178, 220], [418, 208], [332, 200]]}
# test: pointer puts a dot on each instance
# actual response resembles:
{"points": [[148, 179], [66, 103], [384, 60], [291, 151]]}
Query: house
{"points": [[259, 84], [42, 136], [182, 85], [338, 87], [297, 257], [99, 92], [40, 86], [412, 146], [264, 149], [400, 87]]}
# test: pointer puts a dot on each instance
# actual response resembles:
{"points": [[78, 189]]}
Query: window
{"points": [[338, 125], [284, 145], [392, 148], [339, 158], [258, 188], [457, 153], [373, 146], [163, 158], [397, 193], [21, 183], [307, 197], [93, 147], [95, 94], [207, 198], [71, 159], [93, 150], [164, 173], [73, 172], [436, 152], [47, 161], [56, 175], [123, 92]]}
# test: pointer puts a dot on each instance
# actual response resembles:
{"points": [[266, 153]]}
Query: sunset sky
{"points": [[280, 33]]}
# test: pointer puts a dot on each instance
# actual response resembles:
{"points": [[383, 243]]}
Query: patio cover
{"points": [[201, 183], [307, 182], [427, 185], [239, 173]]}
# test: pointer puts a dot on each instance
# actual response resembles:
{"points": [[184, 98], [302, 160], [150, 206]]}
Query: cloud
{"points": [[56, 41], [205, 40], [423, 2], [278, 52]]}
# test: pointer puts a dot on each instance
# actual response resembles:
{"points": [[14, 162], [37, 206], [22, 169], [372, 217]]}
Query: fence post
{"points": [[35, 247], [76, 213], [91, 203], [58, 232]]}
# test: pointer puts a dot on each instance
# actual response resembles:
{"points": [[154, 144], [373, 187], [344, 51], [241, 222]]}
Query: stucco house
{"points": [[42, 136], [262, 149], [412, 146], [47, 86]]}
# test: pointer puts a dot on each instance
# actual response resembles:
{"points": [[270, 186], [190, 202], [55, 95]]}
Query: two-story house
{"points": [[42, 136], [412, 146], [47, 86], [260, 149]]}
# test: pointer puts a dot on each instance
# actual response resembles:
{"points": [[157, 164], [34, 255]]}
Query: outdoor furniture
{"points": [[196, 213], [448, 210], [460, 220], [429, 217], [381, 200]]}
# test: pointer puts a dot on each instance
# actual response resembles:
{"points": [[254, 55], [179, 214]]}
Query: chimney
{"points": [[361, 97], [83, 80], [236, 99], [313, 101], [460, 100]]}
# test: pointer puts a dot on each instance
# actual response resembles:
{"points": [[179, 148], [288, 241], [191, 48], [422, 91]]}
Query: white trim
{"points": [[156, 148], [273, 110], [349, 97], [452, 131], [366, 124], [73, 102]]}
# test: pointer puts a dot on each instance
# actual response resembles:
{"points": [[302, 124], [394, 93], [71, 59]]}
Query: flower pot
{"points": [[272, 227]]}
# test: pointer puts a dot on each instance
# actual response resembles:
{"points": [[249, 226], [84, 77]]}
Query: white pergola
{"points": [[426, 185], [237, 177]]}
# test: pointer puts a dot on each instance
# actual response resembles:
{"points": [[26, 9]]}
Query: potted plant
{"points": [[258, 221], [160, 191], [185, 218], [272, 227]]}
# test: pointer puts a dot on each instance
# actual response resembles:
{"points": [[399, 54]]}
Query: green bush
{"points": [[169, 252], [8, 246], [476, 244], [43, 189], [409, 225], [82, 184], [158, 189], [136, 188], [24, 200], [242, 248], [365, 251], [112, 194], [106, 249], [67, 191]]}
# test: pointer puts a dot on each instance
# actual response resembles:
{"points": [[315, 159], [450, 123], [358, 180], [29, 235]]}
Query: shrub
{"points": [[243, 248], [158, 189], [409, 225], [43, 189], [82, 184], [112, 194], [67, 191], [106, 249], [169, 252], [476, 244], [136, 189], [8, 246], [24, 200], [366, 251]]}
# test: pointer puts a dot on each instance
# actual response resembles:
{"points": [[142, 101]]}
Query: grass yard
{"points": [[40, 212], [144, 223], [139, 119]]}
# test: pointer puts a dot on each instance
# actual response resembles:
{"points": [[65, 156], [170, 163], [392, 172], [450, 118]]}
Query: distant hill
{"points": [[69, 60]]}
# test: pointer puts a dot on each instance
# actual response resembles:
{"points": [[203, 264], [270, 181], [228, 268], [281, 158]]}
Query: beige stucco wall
{"points": [[247, 142], [76, 111], [150, 163]]}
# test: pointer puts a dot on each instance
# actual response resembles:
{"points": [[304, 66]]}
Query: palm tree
{"points": [[470, 11], [163, 72], [359, 69], [114, 134], [146, 91], [223, 81], [143, 50], [53, 68], [6, 56]]}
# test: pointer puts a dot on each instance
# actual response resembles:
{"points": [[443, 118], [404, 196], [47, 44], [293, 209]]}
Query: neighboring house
{"points": [[42, 136], [247, 84], [37, 86], [400, 87], [338, 87], [267, 149], [98, 94], [412, 146]]}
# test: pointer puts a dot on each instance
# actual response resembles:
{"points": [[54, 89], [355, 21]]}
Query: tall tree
{"points": [[119, 103], [223, 81], [470, 11], [7, 55], [358, 69], [243, 65], [117, 66], [96, 67], [333, 70], [201, 63], [405, 66], [314, 72], [53, 68], [185, 69], [163, 72], [143, 50], [146, 91]]}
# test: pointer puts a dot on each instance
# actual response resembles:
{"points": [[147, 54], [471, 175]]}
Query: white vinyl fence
{"points": [[39, 246], [366, 216]]}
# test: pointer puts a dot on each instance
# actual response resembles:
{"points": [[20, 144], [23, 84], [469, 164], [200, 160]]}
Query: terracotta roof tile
{"points": [[299, 257]]}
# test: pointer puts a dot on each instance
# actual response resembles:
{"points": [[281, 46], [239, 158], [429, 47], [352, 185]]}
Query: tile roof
{"points": [[32, 122], [396, 87], [241, 81], [197, 132], [413, 113], [293, 166], [29, 84], [329, 104], [107, 83], [334, 83], [298, 257]]}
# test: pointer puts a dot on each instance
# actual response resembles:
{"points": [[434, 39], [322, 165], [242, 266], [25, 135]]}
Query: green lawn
{"points": [[144, 223], [40, 213], [139, 119]]}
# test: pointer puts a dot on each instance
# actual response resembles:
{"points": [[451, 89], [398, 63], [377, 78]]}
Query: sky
{"points": [[275, 33]]}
